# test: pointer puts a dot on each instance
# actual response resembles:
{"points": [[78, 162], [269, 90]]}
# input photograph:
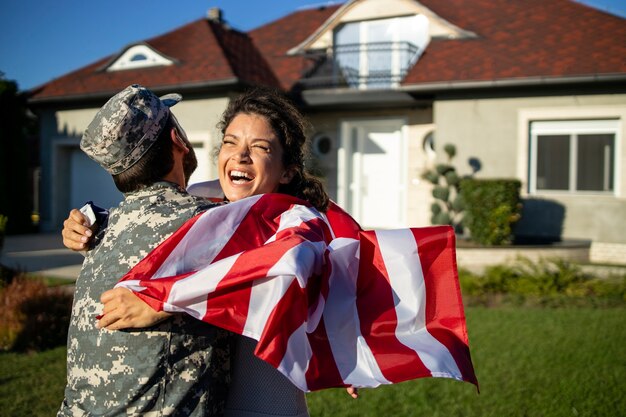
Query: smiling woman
{"points": [[250, 158], [264, 148]]}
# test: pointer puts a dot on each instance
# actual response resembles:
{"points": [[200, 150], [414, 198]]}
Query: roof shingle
{"points": [[533, 38]]}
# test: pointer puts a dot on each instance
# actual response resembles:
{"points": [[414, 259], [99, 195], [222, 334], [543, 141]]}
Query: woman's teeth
{"points": [[239, 177]]}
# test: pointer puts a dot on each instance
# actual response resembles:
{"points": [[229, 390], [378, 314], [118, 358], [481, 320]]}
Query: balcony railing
{"points": [[376, 65]]}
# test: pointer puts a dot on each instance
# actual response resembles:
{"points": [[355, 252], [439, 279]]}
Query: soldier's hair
{"points": [[290, 127], [153, 166]]}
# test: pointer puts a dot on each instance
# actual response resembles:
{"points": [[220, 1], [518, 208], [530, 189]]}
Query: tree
{"points": [[447, 208], [16, 127]]}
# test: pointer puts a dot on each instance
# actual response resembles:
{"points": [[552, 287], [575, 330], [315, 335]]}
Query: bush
{"points": [[491, 209], [33, 316], [553, 282], [6, 275]]}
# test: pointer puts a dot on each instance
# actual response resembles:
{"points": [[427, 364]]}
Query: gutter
{"points": [[513, 82]]}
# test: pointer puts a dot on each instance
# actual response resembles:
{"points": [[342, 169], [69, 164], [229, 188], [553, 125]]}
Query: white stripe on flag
{"points": [[294, 217], [355, 361], [131, 284], [297, 357], [195, 288], [205, 239], [299, 262], [399, 252]]}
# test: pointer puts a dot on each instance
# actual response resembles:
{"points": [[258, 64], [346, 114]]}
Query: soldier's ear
{"points": [[178, 140]]}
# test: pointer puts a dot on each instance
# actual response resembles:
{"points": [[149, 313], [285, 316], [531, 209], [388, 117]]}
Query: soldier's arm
{"points": [[124, 310]]}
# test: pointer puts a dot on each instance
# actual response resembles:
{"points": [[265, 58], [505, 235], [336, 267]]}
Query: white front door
{"points": [[372, 173]]}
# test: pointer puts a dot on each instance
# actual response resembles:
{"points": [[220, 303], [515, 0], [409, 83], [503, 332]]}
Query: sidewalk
{"points": [[41, 253]]}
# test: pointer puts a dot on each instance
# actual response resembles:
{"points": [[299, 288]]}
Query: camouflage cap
{"points": [[126, 127]]}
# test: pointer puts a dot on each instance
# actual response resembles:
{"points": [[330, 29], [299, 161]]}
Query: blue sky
{"points": [[44, 39]]}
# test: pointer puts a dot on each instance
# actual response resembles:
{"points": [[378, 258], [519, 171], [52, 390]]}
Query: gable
{"points": [[139, 56], [370, 10]]}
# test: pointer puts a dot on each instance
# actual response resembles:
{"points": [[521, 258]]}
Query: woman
{"points": [[262, 151]]}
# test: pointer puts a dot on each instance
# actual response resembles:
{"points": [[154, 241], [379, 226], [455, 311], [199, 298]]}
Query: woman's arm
{"points": [[124, 310]]}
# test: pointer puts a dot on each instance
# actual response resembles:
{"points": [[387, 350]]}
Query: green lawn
{"points": [[529, 362], [32, 384]]}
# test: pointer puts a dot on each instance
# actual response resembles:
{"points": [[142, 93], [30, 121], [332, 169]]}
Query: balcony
{"points": [[375, 65]]}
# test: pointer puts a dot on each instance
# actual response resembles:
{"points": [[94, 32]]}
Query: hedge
{"points": [[492, 206]]}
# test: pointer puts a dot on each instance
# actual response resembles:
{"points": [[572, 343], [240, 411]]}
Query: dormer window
{"points": [[371, 44], [379, 53], [139, 56]]}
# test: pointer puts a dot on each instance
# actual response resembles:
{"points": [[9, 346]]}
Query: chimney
{"points": [[215, 15]]}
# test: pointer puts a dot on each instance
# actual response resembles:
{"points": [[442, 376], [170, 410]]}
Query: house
{"points": [[534, 90]]}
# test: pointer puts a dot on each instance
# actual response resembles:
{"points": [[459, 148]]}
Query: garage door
{"points": [[88, 181]]}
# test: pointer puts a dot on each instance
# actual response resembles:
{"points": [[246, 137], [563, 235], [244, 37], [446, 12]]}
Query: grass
{"points": [[31, 384], [535, 362], [529, 362]]}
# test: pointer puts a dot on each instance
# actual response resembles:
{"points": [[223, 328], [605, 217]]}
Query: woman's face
{"points": [[250, 158]]}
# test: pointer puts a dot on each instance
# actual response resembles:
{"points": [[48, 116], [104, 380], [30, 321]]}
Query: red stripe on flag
{"points": [[158, 289], [322, 371], [377, 315], [258, 225], [342, 223], [445, 318], [231, 299], [228, 305], [287, 316]]}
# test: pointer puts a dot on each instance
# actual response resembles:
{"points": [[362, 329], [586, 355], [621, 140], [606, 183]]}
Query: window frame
{"points": [[573, 128]]}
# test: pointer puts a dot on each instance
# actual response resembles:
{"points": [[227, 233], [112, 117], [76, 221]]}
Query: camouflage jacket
{"points": [[178, 367]]}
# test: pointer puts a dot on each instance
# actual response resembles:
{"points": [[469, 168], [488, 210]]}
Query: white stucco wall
{"points": [[496, 131]]}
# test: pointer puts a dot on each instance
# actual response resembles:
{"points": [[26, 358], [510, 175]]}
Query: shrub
{"points": [[33, 316], [552, 282], [491, 209], [6, 275]]}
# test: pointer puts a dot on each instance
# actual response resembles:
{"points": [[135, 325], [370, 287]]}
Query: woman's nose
{"points": [[242, 154]]}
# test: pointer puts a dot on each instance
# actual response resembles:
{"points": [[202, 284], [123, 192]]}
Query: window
{"points": [[573, 156], [139, 57], [379, 53]]}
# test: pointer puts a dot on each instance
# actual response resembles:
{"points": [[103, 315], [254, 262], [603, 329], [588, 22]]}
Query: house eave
{"points": [[162, 89], [513, 82], [339, 97]]}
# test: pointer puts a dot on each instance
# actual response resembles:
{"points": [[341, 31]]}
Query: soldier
{"points": [[177, 366]]}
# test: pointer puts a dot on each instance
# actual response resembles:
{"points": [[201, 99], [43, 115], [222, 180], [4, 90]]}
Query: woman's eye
{"points": [[262, 148]]}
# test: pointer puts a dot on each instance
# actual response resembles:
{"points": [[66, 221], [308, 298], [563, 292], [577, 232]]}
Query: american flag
{"points": [[331, 305]]}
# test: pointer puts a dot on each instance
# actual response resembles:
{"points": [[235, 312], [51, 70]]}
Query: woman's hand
{"points": [[353, 392], [123, 310], [75, 232]]}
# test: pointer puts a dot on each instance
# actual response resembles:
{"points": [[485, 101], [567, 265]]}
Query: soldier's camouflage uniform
{"points": [[179, 367]]}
